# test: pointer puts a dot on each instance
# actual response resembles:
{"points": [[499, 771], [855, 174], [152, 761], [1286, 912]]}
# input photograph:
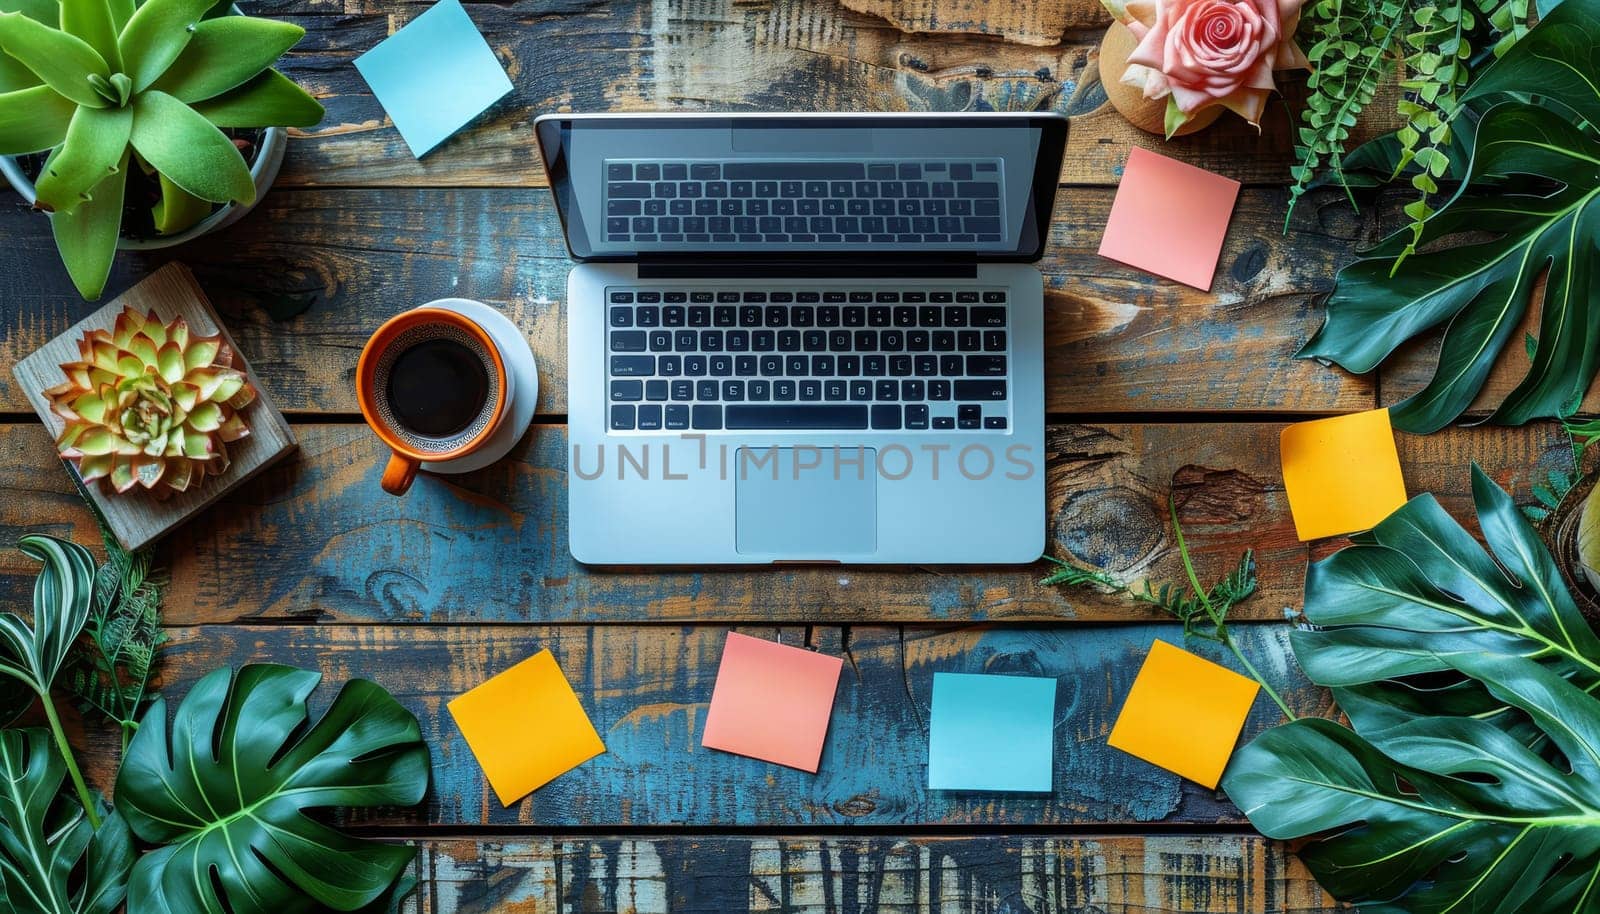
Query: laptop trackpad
{"points": [[801, 502]]}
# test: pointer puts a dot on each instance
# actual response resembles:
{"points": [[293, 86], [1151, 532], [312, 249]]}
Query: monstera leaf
{"points": [[1533, 184], [228, 793], [52, 861], [1469, 779]]}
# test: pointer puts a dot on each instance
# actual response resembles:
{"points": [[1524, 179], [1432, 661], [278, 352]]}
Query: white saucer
{"points": [[518, 357]]}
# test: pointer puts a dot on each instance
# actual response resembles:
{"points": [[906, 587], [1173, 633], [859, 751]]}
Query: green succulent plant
{"points": [[102, 84]]}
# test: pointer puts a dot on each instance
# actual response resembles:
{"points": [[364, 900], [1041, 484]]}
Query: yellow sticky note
{"points": [[1342, 474], [526, 727], [1184, 713]]}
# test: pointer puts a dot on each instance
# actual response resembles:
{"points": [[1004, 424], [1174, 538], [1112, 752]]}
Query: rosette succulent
{"points": [[150, 404], [102, 84]]}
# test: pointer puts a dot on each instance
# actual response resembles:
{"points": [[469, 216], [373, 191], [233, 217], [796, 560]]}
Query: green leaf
{"points": [[33, 652], [1589, 538], [177, 209], [61, 61], [155, 35], [226, 53], [52, 861], [1482, 288], [87, 236], [33, 120], [227, 791], [122, 636], [94, 148], [1560, 58], [92, 21], [269, 100], [13, 75], [181, 144], [1470, 777], [1174, 117]]}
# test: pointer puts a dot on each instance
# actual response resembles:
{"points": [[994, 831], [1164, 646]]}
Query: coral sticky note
{"points": [[991, 732], [1341, 474], [1169, 217], [1184, 714], [434, 75], [526, 727], [772, 702]]}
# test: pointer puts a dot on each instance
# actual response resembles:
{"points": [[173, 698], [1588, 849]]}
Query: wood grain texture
{"points": [[137, 518], [1203, 874], [647, 688], [1117, 340], [315, 538], [731, 55], [1033, 22]]}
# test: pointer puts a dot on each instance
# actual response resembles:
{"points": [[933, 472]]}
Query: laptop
{"points": [[810, 338]]}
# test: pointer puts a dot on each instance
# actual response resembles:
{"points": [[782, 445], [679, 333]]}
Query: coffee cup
{"points": [[433, 385]]}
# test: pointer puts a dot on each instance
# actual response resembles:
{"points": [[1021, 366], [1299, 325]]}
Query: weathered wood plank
{"points": [[1117, 340], [1205, 874], [317, 539], [647, 689], [724, 55]]}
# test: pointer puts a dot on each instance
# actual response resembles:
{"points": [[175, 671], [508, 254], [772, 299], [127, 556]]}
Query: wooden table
{"points": [[1152, 387]]}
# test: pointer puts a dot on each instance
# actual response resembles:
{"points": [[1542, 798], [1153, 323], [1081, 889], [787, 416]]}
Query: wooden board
{"points": [[647, 687], [1116, 340], [315, 538], [138, 518], [1204, 874]]}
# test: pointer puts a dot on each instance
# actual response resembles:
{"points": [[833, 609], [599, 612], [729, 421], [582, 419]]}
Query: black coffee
{"points": [[437, 388]]}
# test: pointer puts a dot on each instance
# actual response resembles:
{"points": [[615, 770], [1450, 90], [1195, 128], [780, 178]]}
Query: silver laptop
{"points": [[805, 338]]}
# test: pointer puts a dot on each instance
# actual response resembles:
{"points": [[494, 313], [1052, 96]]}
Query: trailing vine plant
{"points": [[1356, 46]]}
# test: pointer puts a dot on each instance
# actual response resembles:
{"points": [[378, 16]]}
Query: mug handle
{"points": [[397, 476]]}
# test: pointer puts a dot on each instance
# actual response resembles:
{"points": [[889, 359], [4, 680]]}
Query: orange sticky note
{"points": [[1169, 217], [526, 727], [1342, 474], [1184, 714], [772, 702]]}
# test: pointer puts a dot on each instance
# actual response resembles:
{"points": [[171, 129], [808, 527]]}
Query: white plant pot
{"points": [[263, 172]]}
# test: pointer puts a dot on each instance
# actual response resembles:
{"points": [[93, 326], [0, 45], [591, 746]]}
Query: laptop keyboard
{"points": [[918, 360], [815, 202]]}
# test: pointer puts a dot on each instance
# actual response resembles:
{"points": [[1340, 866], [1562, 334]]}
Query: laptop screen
{"points": [[810, 186]]}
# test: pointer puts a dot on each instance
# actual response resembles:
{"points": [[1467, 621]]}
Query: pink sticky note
{"points": [[772, 702], [1169, 217]]}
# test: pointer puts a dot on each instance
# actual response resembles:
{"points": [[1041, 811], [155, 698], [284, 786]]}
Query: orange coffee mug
{"points": [[432, 384]]}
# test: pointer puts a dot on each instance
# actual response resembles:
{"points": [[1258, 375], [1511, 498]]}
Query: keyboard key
{"points": [[979, 365], [621, 417], [861, 390], [916, 416], [980, 390], [733, 390], [707, 390], [647, 317], [874, 366], [683, 390], [622, 317], [886, 390], [744, 366], [994, 341], [783, 390], [900, 366], [977, 189], [925, 366], [633, 366], [810, 390], [655, 390], [969, 416], [796, 366], [886, 416], [672, 315], [628, 341], [967, 297], [694, 365], [797, 416], [628, 190], [627, 391], [685, 340], [705, 172], [721, 365], [707, 417], [737, 341], [994, 422], [988, 317], [892, 341], [621, 298], [669, 366], [760, 390], [724, 316], [951, 366], [969, 341], [939, 389], [771, 366], [661, 341], [913, 390], [826, 171], [834, 390], [944, 422], [677, 416]]}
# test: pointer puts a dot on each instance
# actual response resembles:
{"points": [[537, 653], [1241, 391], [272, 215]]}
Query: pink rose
{"points": [[1205, 52]]}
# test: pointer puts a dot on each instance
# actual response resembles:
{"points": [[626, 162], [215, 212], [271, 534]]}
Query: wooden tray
{"points": [[137, 518]]}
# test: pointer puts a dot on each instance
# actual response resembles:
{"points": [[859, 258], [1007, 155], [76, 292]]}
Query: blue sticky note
{"points": [[991, 732], [434, 75]]}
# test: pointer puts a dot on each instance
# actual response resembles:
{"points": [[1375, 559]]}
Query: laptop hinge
{"points": [[746, 267]]}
